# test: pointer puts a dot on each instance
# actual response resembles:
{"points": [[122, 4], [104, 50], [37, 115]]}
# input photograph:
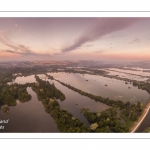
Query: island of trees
{"points": [[119, 118], [127, 112], [47, 93]]}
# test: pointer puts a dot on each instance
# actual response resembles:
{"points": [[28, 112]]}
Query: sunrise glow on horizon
{"points": [[121, 39]]}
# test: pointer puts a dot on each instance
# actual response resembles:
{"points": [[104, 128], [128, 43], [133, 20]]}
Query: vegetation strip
{"points": [[129, 112], [47, 93], [141, 118]]}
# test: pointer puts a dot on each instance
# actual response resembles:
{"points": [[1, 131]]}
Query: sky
{"points": [[99, 39]]}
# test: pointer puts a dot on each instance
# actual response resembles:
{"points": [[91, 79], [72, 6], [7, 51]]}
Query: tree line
{"points": [[128, 111], [47, 93], [10, 93]]}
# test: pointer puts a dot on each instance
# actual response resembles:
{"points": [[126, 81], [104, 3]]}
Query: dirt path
{"points": [[141, 118]]}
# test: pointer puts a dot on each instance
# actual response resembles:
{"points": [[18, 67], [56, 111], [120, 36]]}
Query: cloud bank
{"points": [[16, 48], [102, 27]]}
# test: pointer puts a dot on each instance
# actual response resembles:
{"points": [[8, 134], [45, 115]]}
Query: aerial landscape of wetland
{"points": [[74, 75]]}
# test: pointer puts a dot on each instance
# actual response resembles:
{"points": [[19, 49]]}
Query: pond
{"points": [[74, 102], [128, 76], [25, 79], [103, 86], [33, 109], [31, 116], [135, 72], [28, 117]]}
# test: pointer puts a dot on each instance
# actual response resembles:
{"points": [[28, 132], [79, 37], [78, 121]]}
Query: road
{"points": [[141, 118]]}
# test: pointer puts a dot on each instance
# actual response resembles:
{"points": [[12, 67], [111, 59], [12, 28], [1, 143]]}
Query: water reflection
{"points": [[74, 102], [128, 76], [29, 117], [115, 89], [136, 72], [25, 79]]}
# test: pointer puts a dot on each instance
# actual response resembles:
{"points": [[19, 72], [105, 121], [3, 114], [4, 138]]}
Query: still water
{"points": [[135, 72], [28, 117], [31, 116], [128, 76], [74, 102], [25, 79], [103, 86]]}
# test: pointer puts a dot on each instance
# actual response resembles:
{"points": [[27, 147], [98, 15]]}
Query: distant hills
{"points": [[80, 63]]}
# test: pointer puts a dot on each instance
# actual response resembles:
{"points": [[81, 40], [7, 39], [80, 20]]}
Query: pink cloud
{"points": [[102, 27]]}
